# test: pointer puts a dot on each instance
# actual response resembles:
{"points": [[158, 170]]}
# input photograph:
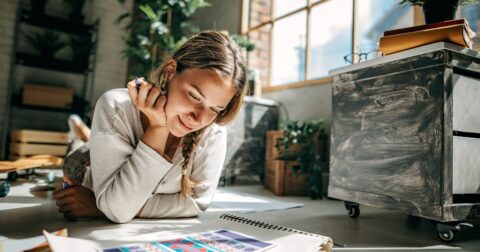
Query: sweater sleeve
{"points": [[124, 174], [207, 166]]}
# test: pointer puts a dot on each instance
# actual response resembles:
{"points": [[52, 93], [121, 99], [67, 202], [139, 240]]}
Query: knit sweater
{"points": [[126, 174]]}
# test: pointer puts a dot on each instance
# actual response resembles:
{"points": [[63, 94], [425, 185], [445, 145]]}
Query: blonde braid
{"points": [[188, 147]]}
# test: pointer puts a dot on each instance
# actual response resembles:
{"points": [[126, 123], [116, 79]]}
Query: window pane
{"points": [[377, 16], [330, 36], [259, 12], [289, 41], [258, 58], [471, 12], [282, 7]]}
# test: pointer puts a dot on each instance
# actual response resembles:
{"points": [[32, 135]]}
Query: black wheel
{"points": [[12, 176], [4, 189], [354, 212], [446, 236]]}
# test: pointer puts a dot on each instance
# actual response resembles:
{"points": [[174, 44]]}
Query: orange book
{"points": [[426, 27], [459, 34]]}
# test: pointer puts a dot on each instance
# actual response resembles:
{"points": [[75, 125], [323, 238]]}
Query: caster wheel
{"points": [[354, 212], [446, 236], [4, 189], [12, 176], [353, 209]]}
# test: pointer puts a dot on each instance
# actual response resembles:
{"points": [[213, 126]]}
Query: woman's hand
{"points": [[149, 101], [77, 201]]}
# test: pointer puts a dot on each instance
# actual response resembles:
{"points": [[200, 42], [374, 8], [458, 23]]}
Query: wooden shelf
{"points": [[55, 23], [77, 107], [32, 60]]}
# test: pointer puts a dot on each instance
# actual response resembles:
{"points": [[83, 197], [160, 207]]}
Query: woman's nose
{"points": [[198, 116]]}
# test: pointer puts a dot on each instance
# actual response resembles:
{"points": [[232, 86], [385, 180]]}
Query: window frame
{"points": [[246, 29]]}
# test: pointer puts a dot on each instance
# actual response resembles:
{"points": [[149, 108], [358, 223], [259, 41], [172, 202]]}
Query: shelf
{"points": [[16, 102], [32, 60], [55, 23]]}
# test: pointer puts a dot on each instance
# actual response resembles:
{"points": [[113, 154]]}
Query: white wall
{"points": [[221, 15], [307, 103]]}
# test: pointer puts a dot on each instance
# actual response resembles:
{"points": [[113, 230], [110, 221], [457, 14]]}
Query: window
{"points": [[300, 41]]}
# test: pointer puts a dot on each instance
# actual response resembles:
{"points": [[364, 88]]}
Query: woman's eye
{"points": [[216, 112], [194, 97]]}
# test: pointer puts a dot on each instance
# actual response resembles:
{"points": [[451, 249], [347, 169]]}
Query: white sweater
{"points": [[126, 174]]}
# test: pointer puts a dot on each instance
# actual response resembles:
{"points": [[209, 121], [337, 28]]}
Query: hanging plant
{"points": [[47, 44]]}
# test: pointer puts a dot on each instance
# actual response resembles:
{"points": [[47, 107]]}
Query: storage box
{"points": [[39, 136], [25, 143], [279, 177], [47, 96]]}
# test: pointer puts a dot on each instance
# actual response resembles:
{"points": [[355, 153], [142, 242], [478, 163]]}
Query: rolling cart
{"points": [[405, 135]]}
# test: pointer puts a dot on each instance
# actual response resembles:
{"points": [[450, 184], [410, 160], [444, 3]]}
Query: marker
{"points": [[138, 82]]}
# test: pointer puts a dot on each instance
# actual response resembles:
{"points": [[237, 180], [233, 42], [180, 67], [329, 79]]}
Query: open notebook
{"points": [[235, 233]]}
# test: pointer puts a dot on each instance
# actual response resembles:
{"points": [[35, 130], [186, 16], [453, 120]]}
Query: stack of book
{"points": [[455, 31]]}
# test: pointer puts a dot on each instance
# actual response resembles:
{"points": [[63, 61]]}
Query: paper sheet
{"points": [[246, 203]]}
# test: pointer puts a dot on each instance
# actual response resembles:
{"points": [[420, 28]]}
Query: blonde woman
{"points": [[161, 156]]}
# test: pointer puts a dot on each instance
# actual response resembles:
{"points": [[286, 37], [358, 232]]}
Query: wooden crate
{"points": [[25, 143], [39, 136], [279, 174], [25, 149], [47, 96]]}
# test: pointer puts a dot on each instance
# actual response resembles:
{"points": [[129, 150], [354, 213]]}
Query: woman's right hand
{"points": [[149, 101]]}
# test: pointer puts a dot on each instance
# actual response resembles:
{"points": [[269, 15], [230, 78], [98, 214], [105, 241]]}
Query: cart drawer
{"points": [[466, 165], [466, 101]]}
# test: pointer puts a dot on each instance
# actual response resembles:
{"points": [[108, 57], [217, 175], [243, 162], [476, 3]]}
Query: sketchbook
{"points": [[226, 233]]}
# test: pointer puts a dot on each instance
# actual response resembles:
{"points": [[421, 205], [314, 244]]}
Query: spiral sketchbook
{"points": [[227, 233]]}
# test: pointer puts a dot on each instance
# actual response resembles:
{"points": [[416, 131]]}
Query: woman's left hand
{"points": [[77, 201]]}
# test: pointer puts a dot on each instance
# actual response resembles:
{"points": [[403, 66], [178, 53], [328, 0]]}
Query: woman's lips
{"points": [[184, 125]]}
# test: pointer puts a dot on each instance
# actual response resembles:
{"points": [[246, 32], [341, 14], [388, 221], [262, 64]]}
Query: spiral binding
{"points": [[265, 225]]}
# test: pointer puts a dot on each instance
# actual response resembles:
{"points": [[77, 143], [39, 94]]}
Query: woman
{"points": [[161, 156]]}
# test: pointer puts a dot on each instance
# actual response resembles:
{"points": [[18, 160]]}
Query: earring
{"points": [[163, 87]]}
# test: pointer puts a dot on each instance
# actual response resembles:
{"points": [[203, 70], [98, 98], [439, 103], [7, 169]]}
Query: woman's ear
{"points": [[170, 69]]}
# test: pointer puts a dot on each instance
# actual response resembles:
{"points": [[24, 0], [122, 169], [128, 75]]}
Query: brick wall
{"points": [[260, 12]]}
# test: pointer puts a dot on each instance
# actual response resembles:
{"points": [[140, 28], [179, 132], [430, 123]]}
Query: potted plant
{"points": [[304, 143], [437, 11], [47, 44]]}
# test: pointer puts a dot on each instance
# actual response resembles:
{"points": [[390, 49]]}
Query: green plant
{"points": [[156, 29], [47, 44], [243, 42], [301, 143], [421, 2]]}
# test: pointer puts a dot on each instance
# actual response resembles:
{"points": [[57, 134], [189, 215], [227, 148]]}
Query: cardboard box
{"points": [[26, 149], [47, 96]]}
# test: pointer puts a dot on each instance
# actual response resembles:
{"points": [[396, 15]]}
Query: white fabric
{"points": [[126, 174]]}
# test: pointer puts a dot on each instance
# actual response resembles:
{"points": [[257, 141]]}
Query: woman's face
{"points": [[195, 97]]}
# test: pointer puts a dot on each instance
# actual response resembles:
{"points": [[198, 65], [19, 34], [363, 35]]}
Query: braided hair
{"points": [[213, 51]]}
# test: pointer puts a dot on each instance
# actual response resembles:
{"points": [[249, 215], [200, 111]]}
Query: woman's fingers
{"points": [[160, 104], [152, 97], [143, 93], [132, 91], [63, 201]]}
